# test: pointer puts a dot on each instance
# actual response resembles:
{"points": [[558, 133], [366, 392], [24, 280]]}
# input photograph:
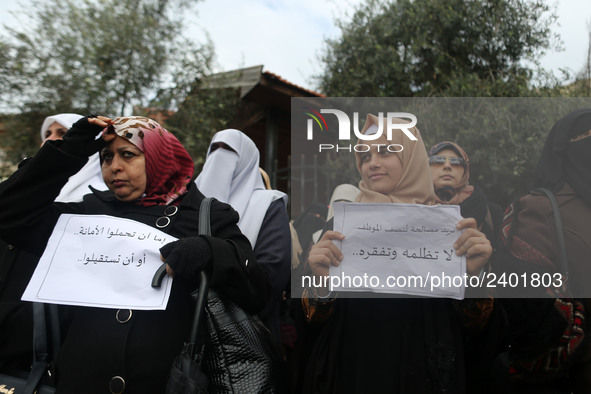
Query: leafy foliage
{"points": [[407, 48], [502, 136], [103, 56], [21, 136], [456, 48], [200, 116]]}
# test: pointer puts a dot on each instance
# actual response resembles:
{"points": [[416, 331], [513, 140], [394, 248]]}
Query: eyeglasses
{"points": [[440, 160]]}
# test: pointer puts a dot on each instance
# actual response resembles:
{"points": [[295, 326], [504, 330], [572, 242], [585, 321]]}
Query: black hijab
{"points": [[310, 221], [564, 160]]}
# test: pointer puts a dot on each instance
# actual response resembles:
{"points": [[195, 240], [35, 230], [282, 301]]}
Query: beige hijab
{"points": [[415, 185]]}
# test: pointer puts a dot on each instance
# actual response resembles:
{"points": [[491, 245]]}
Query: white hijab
{"points": [[234, 178], [89, 175], [344, 192]]}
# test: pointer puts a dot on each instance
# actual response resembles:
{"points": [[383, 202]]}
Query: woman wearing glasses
{"points": [[450, 169], [449, 166]]}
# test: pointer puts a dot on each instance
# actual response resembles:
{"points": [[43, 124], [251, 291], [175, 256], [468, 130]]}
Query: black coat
{"points": [[16, 317], [103, 345], [273, 252]]}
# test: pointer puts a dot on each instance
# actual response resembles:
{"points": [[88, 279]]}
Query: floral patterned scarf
{"points": [[169, 167]]}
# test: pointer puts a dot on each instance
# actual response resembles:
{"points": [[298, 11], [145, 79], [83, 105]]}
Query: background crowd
{"points": [[131, 167]]}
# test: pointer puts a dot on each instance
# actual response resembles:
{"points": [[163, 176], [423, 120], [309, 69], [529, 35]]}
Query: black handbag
{"points": [[241, 355], [41, 358], [238, 354]]}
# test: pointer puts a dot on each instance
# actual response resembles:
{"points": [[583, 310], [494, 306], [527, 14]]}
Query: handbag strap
{"points": [[204, 229], [559, 231], [40, 349], [204, 216], [54, 324]]}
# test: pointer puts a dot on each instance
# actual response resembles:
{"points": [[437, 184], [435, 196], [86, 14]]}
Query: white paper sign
{"points": [[400, 249], [101, 261]]}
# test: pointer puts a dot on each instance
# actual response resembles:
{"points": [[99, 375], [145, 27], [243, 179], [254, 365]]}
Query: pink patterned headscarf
{"points": [[169, 167]]}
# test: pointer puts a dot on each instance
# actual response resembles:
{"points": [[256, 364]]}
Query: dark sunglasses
{"points": [[439, 160]]}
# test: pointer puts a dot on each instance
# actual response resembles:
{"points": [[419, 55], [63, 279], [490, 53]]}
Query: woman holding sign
{"points": [[388, 345], [148, 173]]}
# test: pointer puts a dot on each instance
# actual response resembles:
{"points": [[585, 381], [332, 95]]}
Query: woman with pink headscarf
{"points": [[148, 174]]}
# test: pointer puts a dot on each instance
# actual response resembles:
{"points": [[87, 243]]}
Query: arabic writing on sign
{"points": [[385, 252], [407, 228], [105, 259], [110, 233], [101, 261], [392, 253], [386, 240], [425, 254]]}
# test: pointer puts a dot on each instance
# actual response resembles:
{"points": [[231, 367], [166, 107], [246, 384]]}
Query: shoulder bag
{"points": [[239, 354], [42, 359]]}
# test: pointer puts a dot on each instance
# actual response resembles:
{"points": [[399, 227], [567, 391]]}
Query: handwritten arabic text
{"points": [[110, 233], [106, 259]]}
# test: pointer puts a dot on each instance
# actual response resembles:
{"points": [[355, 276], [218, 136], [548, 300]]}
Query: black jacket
{"points": [[99, 346], [16, 317]]}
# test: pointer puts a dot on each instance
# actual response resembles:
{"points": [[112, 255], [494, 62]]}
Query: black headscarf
{"points": [[310, 221], [565, 161]]}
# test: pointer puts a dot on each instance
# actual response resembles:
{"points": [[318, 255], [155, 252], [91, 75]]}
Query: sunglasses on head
{"points": [[439, 160]]}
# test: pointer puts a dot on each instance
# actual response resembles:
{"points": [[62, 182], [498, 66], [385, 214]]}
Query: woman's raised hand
{"points": [[474, 245], [325, 253], [81, 139], [103, 122]]}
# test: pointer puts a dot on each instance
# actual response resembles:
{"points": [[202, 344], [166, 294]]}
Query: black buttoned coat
{"points": [[108, 350]]}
